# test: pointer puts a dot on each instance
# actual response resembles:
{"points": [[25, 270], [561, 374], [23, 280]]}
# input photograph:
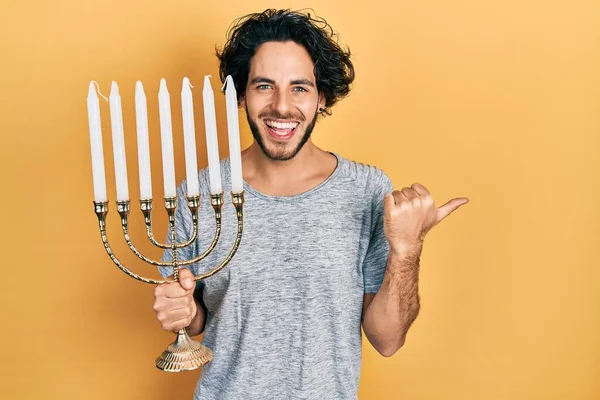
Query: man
{"points": [[327, 246]]}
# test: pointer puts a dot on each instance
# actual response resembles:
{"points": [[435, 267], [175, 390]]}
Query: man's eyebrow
{"points": [[260, 79], [302, 82]]}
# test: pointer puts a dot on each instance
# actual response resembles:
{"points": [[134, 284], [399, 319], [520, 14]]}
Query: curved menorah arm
{"points": [[171, 205], [238, 201], [101, 211]]}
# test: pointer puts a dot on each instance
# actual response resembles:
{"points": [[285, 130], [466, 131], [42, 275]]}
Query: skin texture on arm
{"points": [[397, 300], [408, 215]]}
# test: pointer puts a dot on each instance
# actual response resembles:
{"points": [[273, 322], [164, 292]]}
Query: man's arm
{"points": [[408, 215], [389, 313], [198, 323]]}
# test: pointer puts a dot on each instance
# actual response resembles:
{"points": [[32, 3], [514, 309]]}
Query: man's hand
{"points": [[410, 213], [174, 302]]}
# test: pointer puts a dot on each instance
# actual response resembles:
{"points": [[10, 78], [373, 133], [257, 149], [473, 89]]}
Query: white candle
{"points": [[143, 142], [212, 144], [96, 145], [189, 138], [233, 128], [116, 119], [166, 139]]}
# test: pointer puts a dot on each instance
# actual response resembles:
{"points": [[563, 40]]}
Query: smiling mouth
{"points": [[281, 130]]}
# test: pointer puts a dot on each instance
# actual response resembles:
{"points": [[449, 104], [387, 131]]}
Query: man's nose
{"points": [[281, 102]]}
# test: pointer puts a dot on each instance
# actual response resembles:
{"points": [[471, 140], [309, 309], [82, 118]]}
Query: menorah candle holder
{"points": [[184, 353]]}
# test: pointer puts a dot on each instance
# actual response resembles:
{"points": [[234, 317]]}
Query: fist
{"points": [[410, 213], [174, 302]]}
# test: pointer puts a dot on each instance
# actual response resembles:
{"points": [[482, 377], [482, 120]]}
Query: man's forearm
{"points": [[396, 304]]}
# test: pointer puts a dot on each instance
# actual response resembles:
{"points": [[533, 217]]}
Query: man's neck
{"points": [[306, 170]]}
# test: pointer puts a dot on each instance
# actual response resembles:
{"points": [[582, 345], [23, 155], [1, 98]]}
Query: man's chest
{"points": [[303, 251]]}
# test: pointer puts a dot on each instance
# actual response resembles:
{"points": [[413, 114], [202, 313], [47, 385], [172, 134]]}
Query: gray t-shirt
{"points": [[284, 317]]}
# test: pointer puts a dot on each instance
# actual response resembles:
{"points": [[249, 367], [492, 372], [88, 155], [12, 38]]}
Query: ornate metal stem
{"points": [[171, 206], [184, 354]]}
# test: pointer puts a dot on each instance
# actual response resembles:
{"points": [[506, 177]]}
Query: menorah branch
{"points": [[238, 202], [193, 205], [217, 203], [101, 209]]}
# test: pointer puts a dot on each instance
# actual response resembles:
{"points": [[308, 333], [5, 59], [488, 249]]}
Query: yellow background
{"points": [[496, 101]]}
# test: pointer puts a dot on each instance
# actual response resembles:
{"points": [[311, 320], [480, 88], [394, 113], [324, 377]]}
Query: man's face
{"points": [[281, 99]]}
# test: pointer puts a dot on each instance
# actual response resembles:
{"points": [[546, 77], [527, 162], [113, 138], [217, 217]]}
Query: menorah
{"points": [[184, 353]]}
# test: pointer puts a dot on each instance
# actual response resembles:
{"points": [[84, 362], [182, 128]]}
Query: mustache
{"points": [[276, 115]]}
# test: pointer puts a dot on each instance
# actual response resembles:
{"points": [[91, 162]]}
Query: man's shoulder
{"points": [[363, 174]]}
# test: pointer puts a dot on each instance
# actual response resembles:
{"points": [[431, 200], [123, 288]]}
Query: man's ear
{"points": [[322, 101], [242, 102]]}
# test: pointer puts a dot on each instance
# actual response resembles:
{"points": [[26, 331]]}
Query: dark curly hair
{"points": [[333, 69]]}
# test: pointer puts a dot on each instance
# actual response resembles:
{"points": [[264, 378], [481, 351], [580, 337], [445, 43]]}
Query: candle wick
{"points": [[229, 79], [98, 90], [188, 82]]}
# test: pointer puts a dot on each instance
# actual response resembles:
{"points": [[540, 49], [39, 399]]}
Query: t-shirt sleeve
{"points": [[183, 231], [375, 261]]}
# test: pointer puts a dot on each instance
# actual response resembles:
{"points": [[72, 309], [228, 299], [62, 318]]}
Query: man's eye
{"points": [[300, 89], [263, 87]]}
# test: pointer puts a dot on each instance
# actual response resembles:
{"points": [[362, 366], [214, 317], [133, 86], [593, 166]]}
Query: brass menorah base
{"points": [[184, 354]]}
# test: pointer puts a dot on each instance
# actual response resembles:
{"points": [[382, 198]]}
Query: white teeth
{"points": [[282, 125]]}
